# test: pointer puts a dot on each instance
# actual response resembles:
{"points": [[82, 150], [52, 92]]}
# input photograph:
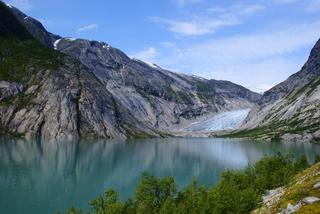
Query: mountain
{"points": [[64, 88], [290, 110]]}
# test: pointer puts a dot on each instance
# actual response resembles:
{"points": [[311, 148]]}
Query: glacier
{"points": [[219, 122]]}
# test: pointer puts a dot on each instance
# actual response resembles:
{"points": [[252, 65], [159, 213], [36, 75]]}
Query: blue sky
{"points": [[253, 43]]}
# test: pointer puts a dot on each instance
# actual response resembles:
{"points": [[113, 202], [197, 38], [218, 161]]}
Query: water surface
{"points": [[46, 177]]}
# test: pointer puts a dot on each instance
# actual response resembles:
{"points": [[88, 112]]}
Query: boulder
{"points": [[310, 200], [316, 186], [292, 208]]}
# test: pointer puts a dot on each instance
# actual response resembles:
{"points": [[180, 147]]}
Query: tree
{"points": [[151, 193], [301, 164], [192, 199], [107, 204]]}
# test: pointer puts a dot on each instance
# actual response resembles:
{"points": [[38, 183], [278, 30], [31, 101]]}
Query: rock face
{"points": [[95, 90], [310, 200], [35, 28], [154, 95], [290, 111], [9, 89]]}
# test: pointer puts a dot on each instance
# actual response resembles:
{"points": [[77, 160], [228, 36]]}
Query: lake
{"points": [[50, 176]]}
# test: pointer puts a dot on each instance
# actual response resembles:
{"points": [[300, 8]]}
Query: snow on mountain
{"points": [[222, 121], [55, 44]]}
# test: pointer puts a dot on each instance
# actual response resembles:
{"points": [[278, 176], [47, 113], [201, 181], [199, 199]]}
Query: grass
{"points": [[22, 61], [297, 190], [274, 131], [302, 187]]}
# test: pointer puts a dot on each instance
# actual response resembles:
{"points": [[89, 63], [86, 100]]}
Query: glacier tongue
{"points": [[222, 121]]}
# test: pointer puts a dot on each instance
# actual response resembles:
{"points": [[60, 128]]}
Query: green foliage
{"points": [[20, 60], [237, 191], [178, 96], [301, 164], [107, 204], [205, 91], [152, 193], [204, 86], [272, 172], [193, 199]]}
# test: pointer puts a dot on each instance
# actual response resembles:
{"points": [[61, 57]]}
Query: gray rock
{"points": [[316, 186], [98, 91], [35, 28], [291, 108], [310, 200], [155, 96], [293, 208], [8, 89], [272, 196]]}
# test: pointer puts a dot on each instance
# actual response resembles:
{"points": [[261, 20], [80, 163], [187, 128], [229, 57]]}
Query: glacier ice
{"points": [[222, 121]]}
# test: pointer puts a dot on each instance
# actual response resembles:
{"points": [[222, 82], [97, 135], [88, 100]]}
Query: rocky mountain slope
{"points": [[290, 110], [302, 195], [93, 89]]}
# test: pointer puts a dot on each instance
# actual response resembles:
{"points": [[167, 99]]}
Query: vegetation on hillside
{"points": [[301, 186], [236, 192], [21, 55]]}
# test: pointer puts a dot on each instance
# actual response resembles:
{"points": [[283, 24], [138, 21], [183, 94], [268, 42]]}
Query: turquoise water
{"points": [[51, 176]]}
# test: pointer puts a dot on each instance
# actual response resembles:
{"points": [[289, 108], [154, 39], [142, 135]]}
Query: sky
{"points": [[256, 44]]}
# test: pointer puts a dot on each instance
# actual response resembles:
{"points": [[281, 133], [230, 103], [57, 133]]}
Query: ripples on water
{"points": [[46, 177]]}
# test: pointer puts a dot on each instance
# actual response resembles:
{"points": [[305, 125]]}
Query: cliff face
{"points": [[49, 95], [290, 110], [87, 88], [154, 95]]}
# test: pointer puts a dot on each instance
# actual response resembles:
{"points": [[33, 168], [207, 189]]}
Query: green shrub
{"points": [[236, 192]]}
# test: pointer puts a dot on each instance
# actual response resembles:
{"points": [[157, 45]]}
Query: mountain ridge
{"points": [[290, 110], [101, 92]]}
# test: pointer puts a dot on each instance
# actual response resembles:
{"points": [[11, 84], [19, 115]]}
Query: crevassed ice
{"points": [[222, 121]]}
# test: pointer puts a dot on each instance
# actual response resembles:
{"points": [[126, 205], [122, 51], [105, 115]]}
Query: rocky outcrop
{"points": [[35, 28], [95, 90], [299, 196], [154, 95], [290, 110], [9, 89]]}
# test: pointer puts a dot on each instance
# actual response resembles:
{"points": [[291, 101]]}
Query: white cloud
{"points": [[313, 6], [201, 25], [197, 26], [87, 27], [21, 4], [285, 1], [147, 54], [182, 3], [217, 9], [257, 61], [250, 9]]}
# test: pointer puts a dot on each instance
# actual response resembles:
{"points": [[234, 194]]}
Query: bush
{"points": [[236, 192]]}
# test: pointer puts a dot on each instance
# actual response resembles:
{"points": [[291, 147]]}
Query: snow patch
{"points": [[106, 47], [148, 63], [71, 39], [55, 44], [222, 121], [151, 64], [9, 5]]}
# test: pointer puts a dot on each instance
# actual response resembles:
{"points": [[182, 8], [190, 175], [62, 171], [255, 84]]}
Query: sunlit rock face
{"points": [[291, 109], [98, 91]]}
